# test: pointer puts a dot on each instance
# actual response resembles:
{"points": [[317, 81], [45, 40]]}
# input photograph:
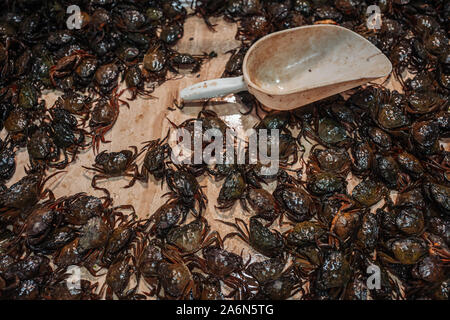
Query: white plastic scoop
{"points": [[291, 68]]}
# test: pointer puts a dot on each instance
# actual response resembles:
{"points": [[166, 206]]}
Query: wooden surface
{"points": [[147, 120]]}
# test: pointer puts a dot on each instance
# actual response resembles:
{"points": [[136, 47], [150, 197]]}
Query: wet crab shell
{"points": [[408, 251], [221, 262], [106, 76], [174, 278], [264, 241], [305, 233], [94, 234], [335, 271], [266, 270], [297, 202], [369, 192], [114, 162]]}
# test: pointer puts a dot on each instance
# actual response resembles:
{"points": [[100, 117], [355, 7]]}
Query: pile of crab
{"points": [[395, 220]]}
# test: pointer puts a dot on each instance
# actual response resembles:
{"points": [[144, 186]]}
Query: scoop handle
{"points": [[213, 88]]}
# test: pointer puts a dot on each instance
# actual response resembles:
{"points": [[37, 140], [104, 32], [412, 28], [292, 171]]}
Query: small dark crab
{"points": [[148, 255], [174, 276], [334, 273], [424, 137], [410, 164], [250, 102], [85, 71], [369, 192], [406, 251], [258, 236], [325, 183], [170, 34], [129, 19], [155, 63], [41, 230], [297, 204], [388, 110], [41, 149], [26, 192], [106, 78], [329, 160], [103, 116], [263, 204], [207, 9], [389, 172], [184, 186], [423, 102], [154, 164], [7, 161], [233, 189], [438, 194], [118, 279], [238, 182], [206, 288], [66, 134], [66, 65], [363, 158], [134, 80], [192, 237], [253, 28], [233, 67], [281, 288], [327, 131], [364, 195], [167, 216], [303, 234], [79, 208], [278, 120], [209, 120], [121, 239], [114, 164], [264, 271], [185, 61], [222, 264], [75, 103]]}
